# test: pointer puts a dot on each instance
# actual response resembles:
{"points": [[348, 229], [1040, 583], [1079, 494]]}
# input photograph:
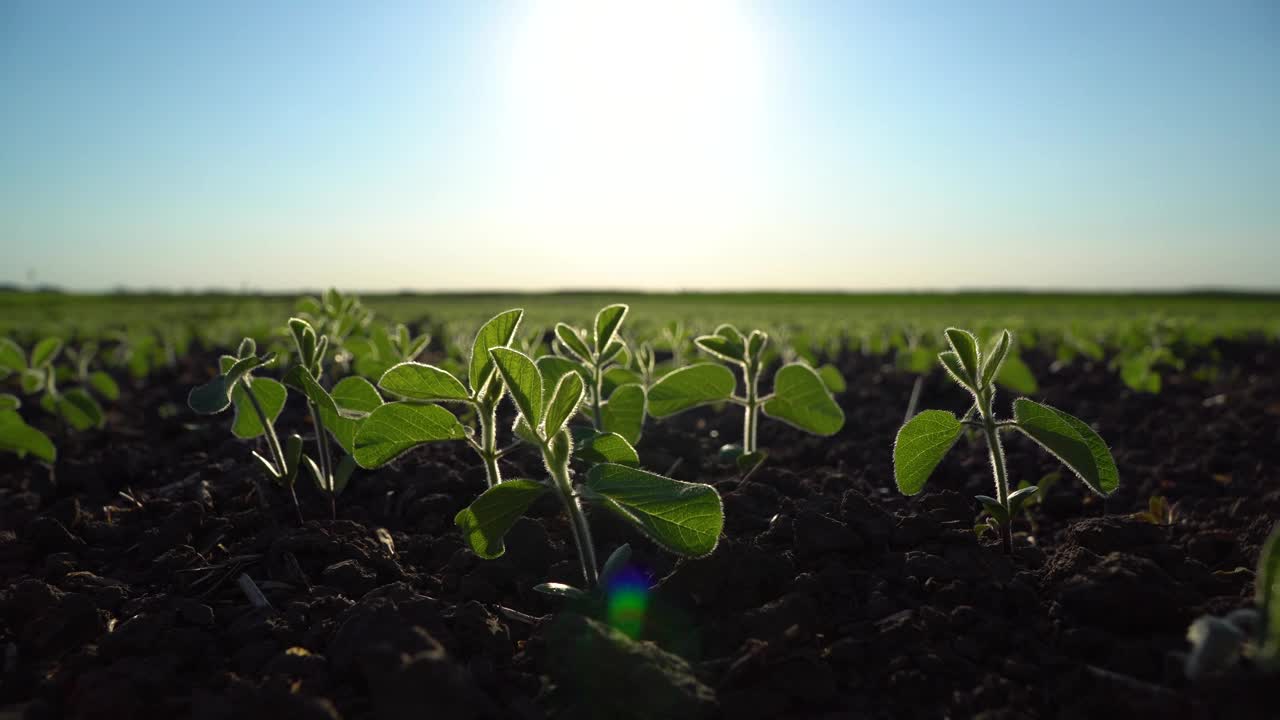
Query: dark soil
{"points": [[830, 595]]}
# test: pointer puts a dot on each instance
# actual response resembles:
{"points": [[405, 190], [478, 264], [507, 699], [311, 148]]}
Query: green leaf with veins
{"points": [[608, 320], [965, 346], [563, 403], [355, 396], [397, 427], [572, 341], [801, 399], [729, 350], [488, 519], [498, 331], [523, 380], [425, 383], [684, 518], [1071, 441], [271, 396], [689, 387], [606, 448], [554, 367], [624, 412], [921, 444]]}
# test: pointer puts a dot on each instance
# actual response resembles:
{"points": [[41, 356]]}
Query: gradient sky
{"points": [[476, 144]]}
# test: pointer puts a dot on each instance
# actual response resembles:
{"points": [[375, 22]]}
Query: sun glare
{"points": [[611, 98]]}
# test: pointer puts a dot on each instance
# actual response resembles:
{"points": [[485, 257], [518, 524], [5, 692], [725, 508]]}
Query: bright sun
{"points": [[613, 99]]}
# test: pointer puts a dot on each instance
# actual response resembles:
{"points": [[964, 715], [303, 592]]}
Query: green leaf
{"points": [[9, 402], [1016, 376], [615, 377], [730, 350], [624, 412], [1021, 497], [343, 429], [756, 343], [271, 396], [801, 399], [210, 398], [994, 508], [523, 381], [395, 428], [416, 381], [921, 444], [355, 396], [563, 403], [995, 358], [965, 346], [618, 560], [497, 332], [490, 517], [832, 378], [955, 368], [572, 341], [31, 381], [45, 351], [104, 385], [614, 350], [689, 387], [80, 410], [16, 436], [608, 320], [12, 356], [607, 448], [684, 518], [554, 367], [1071, 441]]}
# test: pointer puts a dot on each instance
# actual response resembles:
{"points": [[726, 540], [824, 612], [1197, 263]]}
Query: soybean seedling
{"points": [[1217, 643], [257, 402], [397, 427], [800, 398], [339, 413], [598, 355], [38, 374], [683, 518], [925, 439]]}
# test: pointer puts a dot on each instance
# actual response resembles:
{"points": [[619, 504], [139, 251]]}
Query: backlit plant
{"points": [[600, 356], [39, 374], [397, 427], [1217, 643], [925, 439], [799, 398], [683, 518]]}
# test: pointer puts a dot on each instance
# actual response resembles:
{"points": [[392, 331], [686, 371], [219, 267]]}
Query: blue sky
{"points": [[834, 145]]}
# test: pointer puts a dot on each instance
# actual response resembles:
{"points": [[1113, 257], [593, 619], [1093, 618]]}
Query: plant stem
{"points": [[996, 451], [750, 418], [577, 521], [273, 443], [595, 396], [487, 416], [326, 462]]}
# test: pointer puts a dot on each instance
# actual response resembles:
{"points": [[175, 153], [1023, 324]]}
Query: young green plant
{"points": [[257, 402], [1217, 643], [397, 427], [683, 518], [800, 398], [925, 439], [599, 355]]}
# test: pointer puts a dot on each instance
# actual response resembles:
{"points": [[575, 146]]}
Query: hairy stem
{"points": [[596, 400], [577, 521], [751, 416], [996, 450], [487, 416]]}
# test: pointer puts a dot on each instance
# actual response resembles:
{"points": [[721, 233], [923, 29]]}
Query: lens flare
{"points": [[628, 593]]}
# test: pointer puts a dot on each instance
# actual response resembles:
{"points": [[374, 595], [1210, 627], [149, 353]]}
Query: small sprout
{"points": [[1159, 511], [397, 427], [925, 439], [684, 518], [800, 397], [257, 403], [600, 356], [1217, 643]]}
